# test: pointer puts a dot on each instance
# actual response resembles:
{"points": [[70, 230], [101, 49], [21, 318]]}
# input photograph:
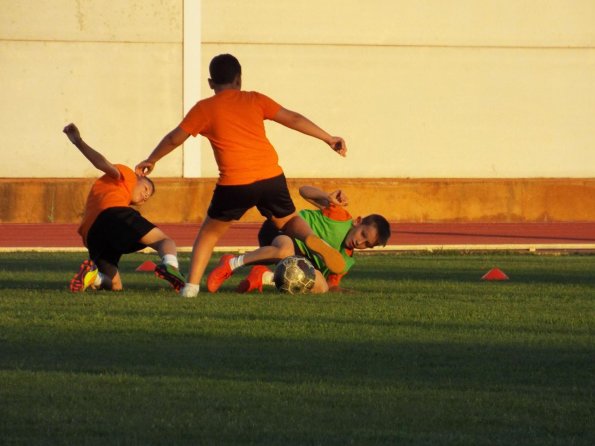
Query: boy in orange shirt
{"points": [[249, 172], [110, 227]]}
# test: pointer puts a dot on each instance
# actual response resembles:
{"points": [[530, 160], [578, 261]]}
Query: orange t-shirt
{"points": [[105, 193], [233, 121]]}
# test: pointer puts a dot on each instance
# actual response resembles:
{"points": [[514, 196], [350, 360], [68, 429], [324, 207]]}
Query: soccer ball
{"points": [[294, 275]]}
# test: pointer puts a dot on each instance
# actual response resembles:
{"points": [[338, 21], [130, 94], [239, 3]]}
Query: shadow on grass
{"points": [[49, 262], [147, 283], [375, 364], [134, 281], [68, 263], [450, 267]]}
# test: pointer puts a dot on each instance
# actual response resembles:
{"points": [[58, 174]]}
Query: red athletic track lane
{"points": [[58, 235]]}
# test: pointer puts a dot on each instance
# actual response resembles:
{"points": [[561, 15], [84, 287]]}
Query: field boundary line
{"points": [[531, 247]]}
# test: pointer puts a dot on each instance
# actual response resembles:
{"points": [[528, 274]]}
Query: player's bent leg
{"points": [[284, 245], [293, 225], [320, 284], [281, 247], [165, 246], [296, 226], [332, 258], [159, 241], [208, 236]]}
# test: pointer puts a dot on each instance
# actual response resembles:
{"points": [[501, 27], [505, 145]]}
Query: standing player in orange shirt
{"points": [[249, 171], [110, 227]]}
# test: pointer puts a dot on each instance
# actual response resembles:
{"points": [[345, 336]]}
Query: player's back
{"points": [[233, 121]]}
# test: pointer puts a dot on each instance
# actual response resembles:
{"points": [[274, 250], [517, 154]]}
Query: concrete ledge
{"points": [[54, 200]]}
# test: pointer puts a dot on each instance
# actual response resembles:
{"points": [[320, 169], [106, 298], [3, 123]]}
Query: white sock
{"points": [[267, 278], [190, 290], [236, 262], [98, 279], [170, 259]]}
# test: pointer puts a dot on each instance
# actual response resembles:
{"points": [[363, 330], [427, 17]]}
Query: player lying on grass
{"points": [[331, 222], [249, 172], [110, 227]]}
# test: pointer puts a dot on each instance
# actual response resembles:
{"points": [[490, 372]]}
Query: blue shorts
{"points": [[271, 198]]}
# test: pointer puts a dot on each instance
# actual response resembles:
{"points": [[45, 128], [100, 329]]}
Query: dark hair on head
{"points": [[151, 183], [382, 226], [224, 68]]}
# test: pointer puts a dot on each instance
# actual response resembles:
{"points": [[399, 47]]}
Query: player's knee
{"points": [[293, 225], [320, 285], [284, 245], [286, 251]]}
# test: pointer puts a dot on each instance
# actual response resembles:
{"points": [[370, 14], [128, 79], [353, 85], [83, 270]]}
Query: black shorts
{"points": [[116, 231], [271, 197], [267, 233]]}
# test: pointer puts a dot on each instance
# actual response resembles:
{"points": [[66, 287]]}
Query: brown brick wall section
{"points": [[43, 200]]}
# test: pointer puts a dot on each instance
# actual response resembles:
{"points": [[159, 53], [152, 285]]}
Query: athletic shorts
{"points": [[116, 231], [271, 198], [267, 233]]}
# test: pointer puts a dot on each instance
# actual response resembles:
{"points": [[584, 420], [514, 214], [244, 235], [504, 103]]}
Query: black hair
{"points": [[224, 68], [382, 226], [151, 183]]}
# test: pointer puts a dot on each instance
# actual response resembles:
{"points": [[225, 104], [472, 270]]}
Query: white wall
{"points": [[114, 68], [419, 88], [422, 88]]}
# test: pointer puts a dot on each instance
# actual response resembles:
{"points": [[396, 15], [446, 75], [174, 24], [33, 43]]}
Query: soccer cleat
{"points": [[171, 274], [220, 274], [253, 280], [85, 277], [332, 258]]}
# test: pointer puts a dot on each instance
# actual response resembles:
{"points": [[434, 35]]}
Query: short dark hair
{"points": [[151, 183], [224, 68], [382, 226]]}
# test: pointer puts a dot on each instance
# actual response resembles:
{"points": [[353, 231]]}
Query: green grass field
{"points": [[422, 352]]}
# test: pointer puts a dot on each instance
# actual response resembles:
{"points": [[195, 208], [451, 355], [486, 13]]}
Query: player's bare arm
{"points": [[300, 123], [96, 158], [171, 141], [322, 199]]}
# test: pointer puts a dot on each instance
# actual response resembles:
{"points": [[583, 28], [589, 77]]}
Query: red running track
{"points": [[578, 235]]}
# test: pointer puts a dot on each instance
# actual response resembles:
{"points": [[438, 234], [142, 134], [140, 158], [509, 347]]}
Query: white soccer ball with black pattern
{"points": [[294, 275]]}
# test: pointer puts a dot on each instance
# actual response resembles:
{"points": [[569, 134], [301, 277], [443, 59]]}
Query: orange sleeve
{"points": [[128, 176], [338, 213], [269, 107], [195, 120]]}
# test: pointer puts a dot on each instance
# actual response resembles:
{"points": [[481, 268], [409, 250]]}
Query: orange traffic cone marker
{"points": [[147, 266], [495, 274]]}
